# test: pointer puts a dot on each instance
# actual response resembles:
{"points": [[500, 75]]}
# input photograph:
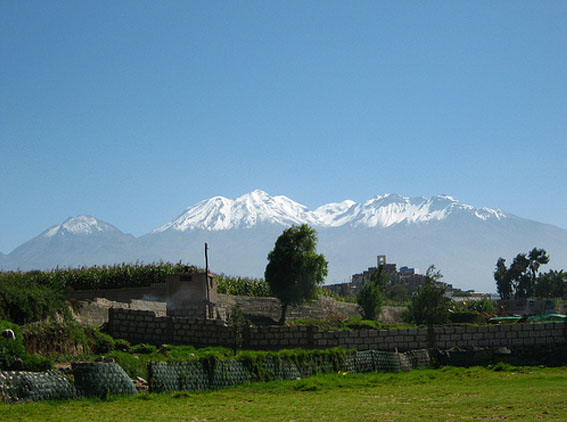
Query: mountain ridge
{"points": [[220, 213], [463, 241]]}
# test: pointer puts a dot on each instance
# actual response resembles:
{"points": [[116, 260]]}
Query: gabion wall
{"points": [[21, 386], [100, 379], [215, 374]]}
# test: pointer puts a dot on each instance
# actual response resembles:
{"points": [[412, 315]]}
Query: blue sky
{"points": [[131, 111]]}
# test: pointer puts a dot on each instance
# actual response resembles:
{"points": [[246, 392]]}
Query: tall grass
{"points": [[243, 286]]}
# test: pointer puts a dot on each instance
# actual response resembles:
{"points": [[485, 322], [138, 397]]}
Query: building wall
{"points": [[145, 327]]}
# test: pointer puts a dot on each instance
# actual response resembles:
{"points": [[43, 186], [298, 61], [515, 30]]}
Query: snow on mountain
{"points": [[77, 241], [334, 214], [81, 225], [257, 207], [390, 209], [463, 241], [248, 210]]}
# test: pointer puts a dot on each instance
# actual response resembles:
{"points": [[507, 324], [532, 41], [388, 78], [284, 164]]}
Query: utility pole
{"points": [[208, 309], [206, 259]]}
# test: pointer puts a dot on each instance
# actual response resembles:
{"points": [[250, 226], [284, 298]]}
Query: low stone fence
{"points": [[271, 307], [145, 327], [91, 309]]}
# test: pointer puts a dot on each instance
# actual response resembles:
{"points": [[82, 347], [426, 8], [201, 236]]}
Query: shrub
{"points": [[369, 296], [12, 351], [370, 301], [356, 323], [466, 318], [28, 297], [428, 305], [237, 324], [102, 343]]}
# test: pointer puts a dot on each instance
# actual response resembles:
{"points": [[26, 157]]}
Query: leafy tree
{"points": [[398, 293], [503, 282], [369, 296], [552, 284], [428, 305], [295, 269], [521, 278]]}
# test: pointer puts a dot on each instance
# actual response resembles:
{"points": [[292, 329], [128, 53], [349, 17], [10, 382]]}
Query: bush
{"points": [[428, 305], [370, 301], [369, 296], [12, 351], [484, 305], [466, 318], [101, 343], [35, 295], [28, 297], [356, 323]]}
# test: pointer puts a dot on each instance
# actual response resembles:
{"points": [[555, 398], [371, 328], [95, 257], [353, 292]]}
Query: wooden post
{"points": [[208, 310], [206, 259]]}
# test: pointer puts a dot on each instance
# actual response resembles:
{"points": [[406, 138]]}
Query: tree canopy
{"points": [[521, 278], [295, 269], [369, 296], [429, 305]]}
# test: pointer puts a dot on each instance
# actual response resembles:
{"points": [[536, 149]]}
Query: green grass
{"points": [[447, 394]]}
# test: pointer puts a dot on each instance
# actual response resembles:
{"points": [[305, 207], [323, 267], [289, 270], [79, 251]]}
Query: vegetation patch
{"points": [[531, 393], [13, 355]]}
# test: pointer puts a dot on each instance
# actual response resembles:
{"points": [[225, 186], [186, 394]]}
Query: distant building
{"points": [[407, 271], [365, 276], [407, 279]]}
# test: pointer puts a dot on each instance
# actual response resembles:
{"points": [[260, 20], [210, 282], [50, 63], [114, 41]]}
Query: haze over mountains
{"points": [[464, 242]]}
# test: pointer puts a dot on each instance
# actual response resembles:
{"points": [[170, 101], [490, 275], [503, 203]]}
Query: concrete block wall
{"points": [[145, 327]]}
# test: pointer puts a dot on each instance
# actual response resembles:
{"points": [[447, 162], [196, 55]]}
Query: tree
{"points": [[428, 305], [552, 284], [521, 278], [503, 282], [369, 296], [294, 269]]}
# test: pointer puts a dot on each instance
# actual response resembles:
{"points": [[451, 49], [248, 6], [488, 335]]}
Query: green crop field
{"points": [[447, 394]]}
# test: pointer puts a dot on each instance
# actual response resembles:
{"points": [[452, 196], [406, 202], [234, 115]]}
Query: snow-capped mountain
{"points": [[81, 225], [248, 210], [387, 210], [463, 241], [258, 207], [77, 241]]}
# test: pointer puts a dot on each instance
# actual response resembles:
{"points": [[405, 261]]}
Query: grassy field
{"points": [[447, 394]]}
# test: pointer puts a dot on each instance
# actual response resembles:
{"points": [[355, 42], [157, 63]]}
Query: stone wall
{"points": [[93, 310], [145, 327], [270, 307]]}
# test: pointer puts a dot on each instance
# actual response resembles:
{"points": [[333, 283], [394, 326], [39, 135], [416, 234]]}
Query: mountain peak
{"points": [[248, 210], [258, 207], [80, 225]]}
